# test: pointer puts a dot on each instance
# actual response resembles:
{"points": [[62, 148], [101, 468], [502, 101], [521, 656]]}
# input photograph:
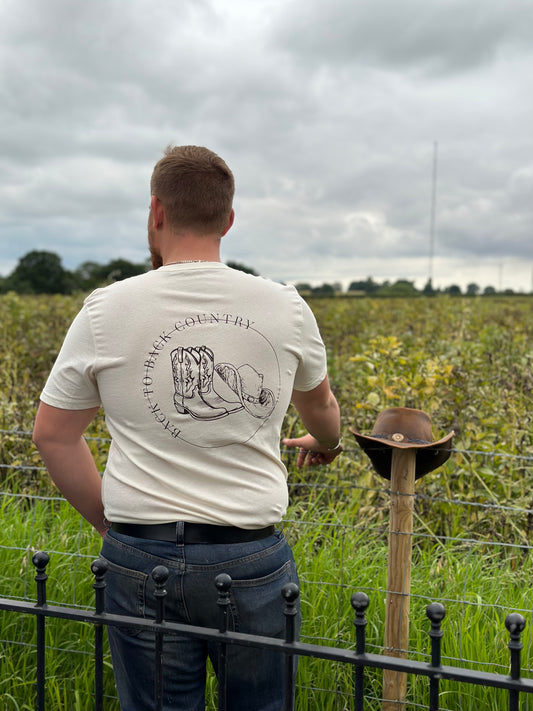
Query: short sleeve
{"points": [[312, 368], [71, 384]]}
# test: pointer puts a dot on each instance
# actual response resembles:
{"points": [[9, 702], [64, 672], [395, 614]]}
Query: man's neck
{"points": [[191, 248]]}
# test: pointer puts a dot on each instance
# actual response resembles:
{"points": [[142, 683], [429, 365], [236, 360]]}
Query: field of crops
{"points": [[467, 362]]}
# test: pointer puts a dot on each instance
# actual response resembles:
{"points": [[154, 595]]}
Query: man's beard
{"points": [[156, 259], [155, 255]]}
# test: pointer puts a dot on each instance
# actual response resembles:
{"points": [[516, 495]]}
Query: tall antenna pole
{"points": [[432, 220]]}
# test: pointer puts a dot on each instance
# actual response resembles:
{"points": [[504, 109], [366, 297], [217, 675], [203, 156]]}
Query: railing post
{"points": [[435, 613], [359, 602], [223, 584], [99, 569], [40, 560], [160, 577], [515, 625], [290, 594]]}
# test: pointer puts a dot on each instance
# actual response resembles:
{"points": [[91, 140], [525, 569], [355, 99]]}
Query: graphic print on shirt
{"points": [[208, 391], [211, 379]]}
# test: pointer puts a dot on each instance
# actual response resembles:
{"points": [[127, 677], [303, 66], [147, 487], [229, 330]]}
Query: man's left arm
{"points": [[58, 435]]}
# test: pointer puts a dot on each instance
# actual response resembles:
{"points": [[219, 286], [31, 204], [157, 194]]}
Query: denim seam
{"points": [[265, 580]]}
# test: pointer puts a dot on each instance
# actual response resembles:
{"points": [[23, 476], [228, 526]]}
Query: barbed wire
{"points": [[298, 485], [493, 453], [307, 485], [341, 533]]}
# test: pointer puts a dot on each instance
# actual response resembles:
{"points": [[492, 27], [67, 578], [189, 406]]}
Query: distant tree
{"points": [[242, 268], [472, 290], [454, 290], [90, 275], [369, 286], [303, 287], [402, 287], [489, 290], [119, 269], [323, 290], [428, 289], [39, 272]]}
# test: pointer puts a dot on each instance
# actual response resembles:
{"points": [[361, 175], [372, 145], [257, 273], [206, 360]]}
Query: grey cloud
{"points": [[438, 36], [326, 112]]}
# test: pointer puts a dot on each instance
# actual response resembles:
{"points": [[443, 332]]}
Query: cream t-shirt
{"points": [[194, 365]]}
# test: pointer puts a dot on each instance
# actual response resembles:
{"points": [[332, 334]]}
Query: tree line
{"points": [[42, 272], [401, 287]]}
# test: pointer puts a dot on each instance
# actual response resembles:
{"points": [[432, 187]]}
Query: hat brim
{"points": [[260, 406], [366, 440], [429, 456]]}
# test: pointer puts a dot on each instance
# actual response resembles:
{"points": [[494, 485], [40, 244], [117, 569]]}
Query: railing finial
{"points": [[40, 560], [290, 593], [515, 624], [223, 584]]}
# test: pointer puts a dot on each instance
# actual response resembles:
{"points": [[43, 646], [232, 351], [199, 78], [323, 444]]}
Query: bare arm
{"points": [[320, 414], [58, 435]]}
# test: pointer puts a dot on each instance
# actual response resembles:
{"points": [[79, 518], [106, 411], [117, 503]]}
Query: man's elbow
{"points": [[327, 402], [41, 437], [44, 434]]}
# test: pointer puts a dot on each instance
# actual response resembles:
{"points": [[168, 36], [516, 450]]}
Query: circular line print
{"points": [[210, 390]]}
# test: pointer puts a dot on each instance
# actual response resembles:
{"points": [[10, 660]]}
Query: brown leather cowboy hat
{"points": [[404, 428]]}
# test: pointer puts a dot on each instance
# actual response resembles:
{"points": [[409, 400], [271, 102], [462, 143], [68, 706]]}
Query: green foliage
{"points": [[38, 272], [32, 329], [369, 286], [90, 275], [400, 288], [241, 267], [467, 362]]}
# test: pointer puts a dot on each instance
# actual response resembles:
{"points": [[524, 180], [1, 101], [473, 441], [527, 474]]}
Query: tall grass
{"points": [[479, 585], [337, 554], [467, 362]]}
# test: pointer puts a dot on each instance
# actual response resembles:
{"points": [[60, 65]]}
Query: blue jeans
{"points": [[259, 570]]}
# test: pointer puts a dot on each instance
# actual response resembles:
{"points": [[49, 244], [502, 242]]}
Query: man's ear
{"points": [[158, 212], [230, 222]]}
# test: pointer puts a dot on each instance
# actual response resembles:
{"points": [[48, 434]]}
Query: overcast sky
{"points": [[330, 115]]}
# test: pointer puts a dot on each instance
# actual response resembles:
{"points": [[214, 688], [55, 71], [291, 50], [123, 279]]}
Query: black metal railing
{"points": [[359, 660]]}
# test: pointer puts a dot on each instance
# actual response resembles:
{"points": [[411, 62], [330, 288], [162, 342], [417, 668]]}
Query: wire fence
{"points": [[451, 564]]}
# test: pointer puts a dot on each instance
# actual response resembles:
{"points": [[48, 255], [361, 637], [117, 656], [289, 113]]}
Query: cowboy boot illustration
{"points": [[186, 375], [206, 387], [182, 382]]}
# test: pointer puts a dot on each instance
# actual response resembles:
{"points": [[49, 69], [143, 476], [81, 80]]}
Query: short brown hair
{"points": [[195, 187]]}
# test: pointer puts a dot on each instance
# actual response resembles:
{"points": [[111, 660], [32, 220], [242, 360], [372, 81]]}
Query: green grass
{"points": [[337, 555], [467, 362], [478, 585]]}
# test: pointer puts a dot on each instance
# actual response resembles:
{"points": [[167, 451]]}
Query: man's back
{"points": [[195, 365]]}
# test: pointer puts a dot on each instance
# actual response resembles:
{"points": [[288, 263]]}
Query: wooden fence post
{"points": [[402, 449], [399, 574]]}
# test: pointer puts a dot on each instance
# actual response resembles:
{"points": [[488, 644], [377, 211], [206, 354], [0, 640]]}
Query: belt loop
{"points": [[180, 533]]}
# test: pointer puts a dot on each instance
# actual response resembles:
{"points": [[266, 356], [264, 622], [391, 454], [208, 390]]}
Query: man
{"points": [[195, 365]]}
